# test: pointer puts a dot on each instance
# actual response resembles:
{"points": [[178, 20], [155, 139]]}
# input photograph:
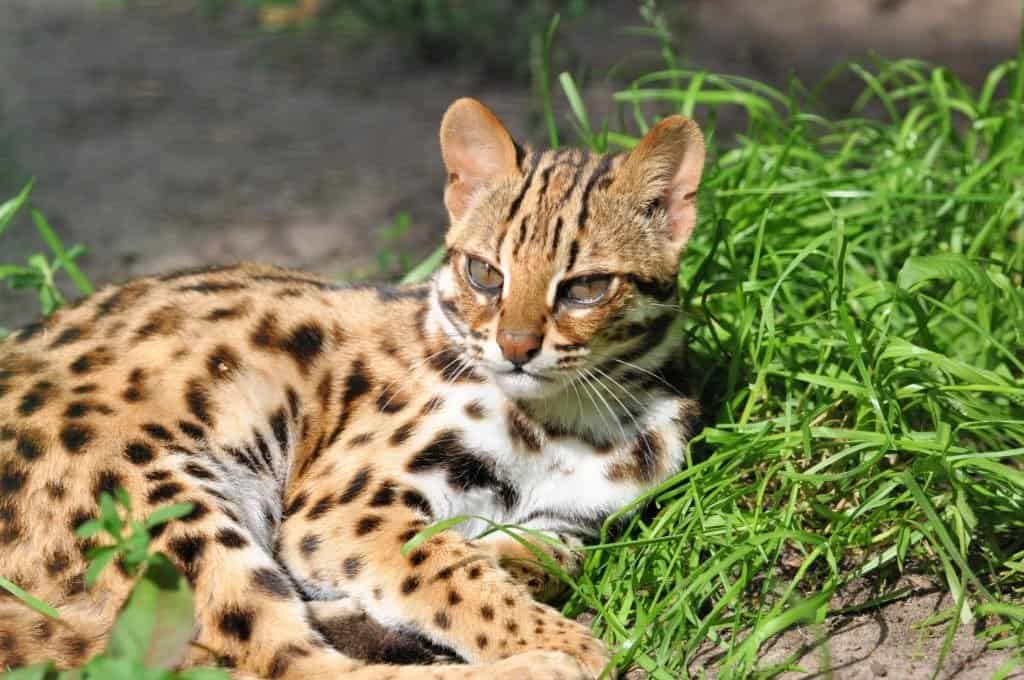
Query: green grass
{"points": [[854, 292]]}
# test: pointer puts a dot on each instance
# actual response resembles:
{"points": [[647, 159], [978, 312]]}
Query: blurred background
{"points": [[173, 133]]}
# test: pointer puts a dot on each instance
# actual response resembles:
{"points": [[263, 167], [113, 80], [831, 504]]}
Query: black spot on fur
{"points": [[271, 582], [30, 331], [106, 482], [222, 362], [304, 344], [368, 524], [189, 551], [12, 478], [432, 405], [138, 452], [309, 544], [80, 409], [199, 510], [75, 437], [522, 430], [198, 471], [296, 504], [68, 336], [410, 584], [320, 508], [197, 399], [293, 401], [164, 492], [391, 400], [229, 538], [384, 496], [356, 487], [29, 445], [279, 426], [36, 397], [415, 500], [442, 621], [192, 430], [402, 433], [352, 565], [236, 622]]}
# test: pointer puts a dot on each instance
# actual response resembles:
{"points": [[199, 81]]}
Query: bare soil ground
{"points": [[160, 141]]}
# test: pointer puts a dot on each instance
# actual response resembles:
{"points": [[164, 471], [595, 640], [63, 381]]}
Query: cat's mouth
{"points": [[519, 370], [520, 383]]}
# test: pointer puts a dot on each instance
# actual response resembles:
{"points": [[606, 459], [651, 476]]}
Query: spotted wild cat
{"points": [[316, 427]]}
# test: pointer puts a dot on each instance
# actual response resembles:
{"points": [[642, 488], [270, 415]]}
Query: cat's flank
{"points": [[317, 427]]}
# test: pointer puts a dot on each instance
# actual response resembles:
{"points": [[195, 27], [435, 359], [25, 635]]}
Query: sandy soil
{"points": [[161, 141]]}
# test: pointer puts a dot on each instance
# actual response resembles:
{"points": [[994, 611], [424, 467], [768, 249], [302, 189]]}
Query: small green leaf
{"points": [[431, 531], [424, 269], [99, 558], [28, 599], [157, 623], [89, 529], [166, 513], [52, 240], [109, 515], [946, 266], [10, 208]]}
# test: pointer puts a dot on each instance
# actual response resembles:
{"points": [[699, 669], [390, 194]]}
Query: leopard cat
{"points": [[317, 427]]}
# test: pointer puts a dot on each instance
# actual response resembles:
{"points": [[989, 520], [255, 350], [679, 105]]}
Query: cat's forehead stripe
{"points": [[548, 199]]}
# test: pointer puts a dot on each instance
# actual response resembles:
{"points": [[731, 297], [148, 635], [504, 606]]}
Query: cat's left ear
{"points": [[478, 152], [664, 171]]}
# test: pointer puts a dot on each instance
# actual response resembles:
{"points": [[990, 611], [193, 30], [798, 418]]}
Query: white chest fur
{"points": [[567, 480]]}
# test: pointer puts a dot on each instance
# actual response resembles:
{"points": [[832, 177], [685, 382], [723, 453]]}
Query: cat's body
{"points": [[317, 427]]}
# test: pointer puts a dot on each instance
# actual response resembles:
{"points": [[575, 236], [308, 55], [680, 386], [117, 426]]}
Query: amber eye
{"points": [[483, 276], [586, 290]]}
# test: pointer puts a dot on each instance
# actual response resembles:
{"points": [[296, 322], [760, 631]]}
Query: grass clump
{"points": [[857, 325]]}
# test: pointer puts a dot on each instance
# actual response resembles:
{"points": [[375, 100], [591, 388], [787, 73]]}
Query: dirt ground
{"points": [[161, 141]]}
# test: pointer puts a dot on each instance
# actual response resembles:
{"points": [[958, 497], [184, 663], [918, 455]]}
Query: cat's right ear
{"points": [[478, 152]]}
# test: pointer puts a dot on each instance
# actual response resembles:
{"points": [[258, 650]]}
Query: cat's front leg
{"points": [[448, 589]]}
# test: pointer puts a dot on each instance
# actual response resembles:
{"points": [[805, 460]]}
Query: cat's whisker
{"points": [[608, 406], [654, 375], [630, 414], [621, 387]]}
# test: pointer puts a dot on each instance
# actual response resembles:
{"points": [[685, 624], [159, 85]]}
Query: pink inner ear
{"points": [[477, 151], [682, 194]]}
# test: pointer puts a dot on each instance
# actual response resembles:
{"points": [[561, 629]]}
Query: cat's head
{"points": [[562, 262]]}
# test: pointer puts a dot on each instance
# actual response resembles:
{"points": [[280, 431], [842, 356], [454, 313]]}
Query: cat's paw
{"points": [[534, 665]]}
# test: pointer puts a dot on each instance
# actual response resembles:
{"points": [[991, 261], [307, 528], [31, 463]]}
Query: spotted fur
{"points": [[316, 427]]}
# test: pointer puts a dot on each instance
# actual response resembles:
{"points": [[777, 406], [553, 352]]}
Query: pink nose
{"points": [[519, 346]]}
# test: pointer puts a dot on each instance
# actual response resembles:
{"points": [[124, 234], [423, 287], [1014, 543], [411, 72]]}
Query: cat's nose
{"points": [[519, 346]]}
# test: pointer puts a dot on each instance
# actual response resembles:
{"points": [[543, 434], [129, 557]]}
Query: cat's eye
{"points": [[483, 276], [586, 290]]}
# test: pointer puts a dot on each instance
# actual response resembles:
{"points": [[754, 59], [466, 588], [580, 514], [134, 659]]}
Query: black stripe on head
{"points": [[517, 201], [602, 169], [557, 237]]}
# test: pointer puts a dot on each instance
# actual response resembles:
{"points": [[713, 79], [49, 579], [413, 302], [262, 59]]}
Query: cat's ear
{"points": [[664, 171], [478, 152]]}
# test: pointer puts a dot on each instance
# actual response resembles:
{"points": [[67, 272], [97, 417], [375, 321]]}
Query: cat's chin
{"points": [[519, 385]]}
